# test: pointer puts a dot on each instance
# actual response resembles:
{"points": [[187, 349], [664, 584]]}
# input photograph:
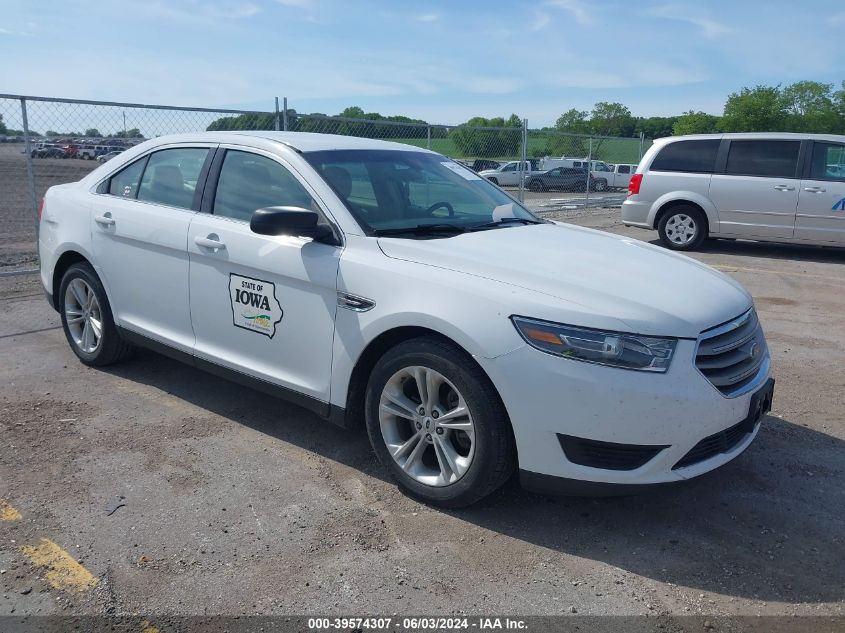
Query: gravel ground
{"points": [[183, 494]]}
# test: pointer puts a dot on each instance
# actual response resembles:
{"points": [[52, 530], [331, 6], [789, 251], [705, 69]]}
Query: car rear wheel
{"points": [[437, 424], [682, 228], [536, 185], [600, 185], [87, 318]]}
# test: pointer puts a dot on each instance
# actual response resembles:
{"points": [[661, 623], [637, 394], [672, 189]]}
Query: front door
{"points": [[821, 202], [757, 195], [260, 305], [139, 232]]}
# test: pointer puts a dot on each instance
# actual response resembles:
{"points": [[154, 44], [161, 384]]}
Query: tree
{"points": [[498, 138], [696, 123], [809, 106], [243, 122], [611, 119], [758, 109], [93, 132], [3, 127], [573, 121], [655, 126]]}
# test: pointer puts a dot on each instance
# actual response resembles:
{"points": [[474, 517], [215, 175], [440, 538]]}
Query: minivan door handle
{"points": [[815, 189], [212, 242], [104, 220], [784, 188]]}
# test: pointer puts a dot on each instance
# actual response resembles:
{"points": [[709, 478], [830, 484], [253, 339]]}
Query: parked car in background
{"points": [[482, 164], [102, 158], [386, 286], [619, 175], [87, 152], [48, 151], [774, 187], [509, 174], [560, 178]]}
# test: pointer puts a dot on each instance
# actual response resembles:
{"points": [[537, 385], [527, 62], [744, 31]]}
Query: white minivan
{"points": [[775, 187]]}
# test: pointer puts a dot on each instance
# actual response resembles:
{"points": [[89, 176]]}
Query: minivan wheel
{"points": [[682, 228], [437, 424], [87, 318]]}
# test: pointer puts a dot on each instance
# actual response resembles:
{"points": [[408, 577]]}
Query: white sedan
{"points": [[385, 286]]}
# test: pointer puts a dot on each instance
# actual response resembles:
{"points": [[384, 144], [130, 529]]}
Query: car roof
{"points": [[300, 141], [755, 135]]}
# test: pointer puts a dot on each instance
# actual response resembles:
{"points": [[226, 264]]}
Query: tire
{"points": [[536, 185], [79, 280], [495, 181], [600, 185], [480, 458], [682, 228]]}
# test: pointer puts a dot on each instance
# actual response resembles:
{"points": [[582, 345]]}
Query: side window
{"points": [[249, 182], [687, 156], [555, 172], [828, 161], [623, 169], [775, 159], [171, 176], [125, 182]]}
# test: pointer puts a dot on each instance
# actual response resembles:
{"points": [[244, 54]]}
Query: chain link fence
{"points": [[46, 141]]}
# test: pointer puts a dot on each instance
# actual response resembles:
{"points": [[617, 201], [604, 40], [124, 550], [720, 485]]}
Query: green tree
{"points": [[696, 123], [810, 106], [573, 121], [3, 127], [758, 109], [488, 138], [93, 132], [655, 126], [611, 119], [243, 122]]}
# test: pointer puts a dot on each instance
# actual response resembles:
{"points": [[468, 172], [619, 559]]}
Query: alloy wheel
{"points": [[83, 316], [427, 426], [681, 229]]}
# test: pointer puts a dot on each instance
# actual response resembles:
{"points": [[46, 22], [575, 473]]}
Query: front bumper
{"points": [[548, 397]]}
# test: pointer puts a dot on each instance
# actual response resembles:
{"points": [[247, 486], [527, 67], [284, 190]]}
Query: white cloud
{"points": [[427, 17], [680, 13], [837, 19], [5, 32], [302, 4], [576, 8], [541, 21]]}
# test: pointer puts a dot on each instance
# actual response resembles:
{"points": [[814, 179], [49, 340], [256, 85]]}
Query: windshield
{"points": [[391, 190]]}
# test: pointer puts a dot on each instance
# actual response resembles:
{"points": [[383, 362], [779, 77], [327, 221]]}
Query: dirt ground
{"points": [[179, 493]]}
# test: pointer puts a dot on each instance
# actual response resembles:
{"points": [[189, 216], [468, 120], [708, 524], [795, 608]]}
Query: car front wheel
{"points": [[682, 228], [87, 318], [437, 423]]}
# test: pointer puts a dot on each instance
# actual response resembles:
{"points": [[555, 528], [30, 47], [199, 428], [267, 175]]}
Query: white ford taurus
{"points": [[376, 282]]}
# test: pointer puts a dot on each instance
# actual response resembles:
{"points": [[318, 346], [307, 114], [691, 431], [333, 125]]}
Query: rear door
{"points": [[756, 192], [821, 201], [263, 306], [139, 232]]}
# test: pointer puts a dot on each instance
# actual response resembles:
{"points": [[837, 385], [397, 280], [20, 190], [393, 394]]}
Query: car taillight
{"points": [[40, 209], [634, 185]]}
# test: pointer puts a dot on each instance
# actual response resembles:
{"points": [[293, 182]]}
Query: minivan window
{"points": [[125, 182], [828, 161], [249, 182], [171, 176], [688, 156], [773, 159]]}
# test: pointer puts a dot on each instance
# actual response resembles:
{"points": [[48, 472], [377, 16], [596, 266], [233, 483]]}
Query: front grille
{"points": [[718, 443], [730, 355], [607, 455]]}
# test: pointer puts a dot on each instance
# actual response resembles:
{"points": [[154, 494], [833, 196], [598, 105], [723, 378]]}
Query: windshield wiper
{"points": [[504, 222], [422, 229]]}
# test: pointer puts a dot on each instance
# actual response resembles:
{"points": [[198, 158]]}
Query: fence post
{"points": [[642, 142], [428, 136], [589, 174], [277, 126], [523, 158], [285, 114], [29, 174]]}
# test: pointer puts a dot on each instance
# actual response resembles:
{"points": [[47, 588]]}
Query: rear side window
{"points": [[775, 159], [171, 176], [688, 156], [828, 162], [623, 169], [125, 182]]}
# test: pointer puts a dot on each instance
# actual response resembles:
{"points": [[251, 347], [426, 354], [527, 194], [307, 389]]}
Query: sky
{"points": [[442, 60]]}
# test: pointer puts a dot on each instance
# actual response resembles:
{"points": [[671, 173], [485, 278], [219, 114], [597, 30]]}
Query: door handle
{"points": [[784, 188], [104, 220], [209, 242], [815, 189]]}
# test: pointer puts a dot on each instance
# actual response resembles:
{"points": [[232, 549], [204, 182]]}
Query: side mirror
{"points": [[294, 221]]}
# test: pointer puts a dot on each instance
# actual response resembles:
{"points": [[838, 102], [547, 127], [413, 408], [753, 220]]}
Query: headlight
{"points": [[614, 349]]}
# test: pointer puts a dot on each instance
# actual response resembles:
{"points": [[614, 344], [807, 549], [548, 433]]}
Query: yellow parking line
{"points": [[63, 572], [740, 269], [7, 512]]}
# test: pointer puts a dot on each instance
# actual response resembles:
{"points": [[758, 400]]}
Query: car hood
{"points": [[600, 276]]}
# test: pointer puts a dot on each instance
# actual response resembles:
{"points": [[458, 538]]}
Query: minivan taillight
{"points": [[634, 185], [40, 209]]}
